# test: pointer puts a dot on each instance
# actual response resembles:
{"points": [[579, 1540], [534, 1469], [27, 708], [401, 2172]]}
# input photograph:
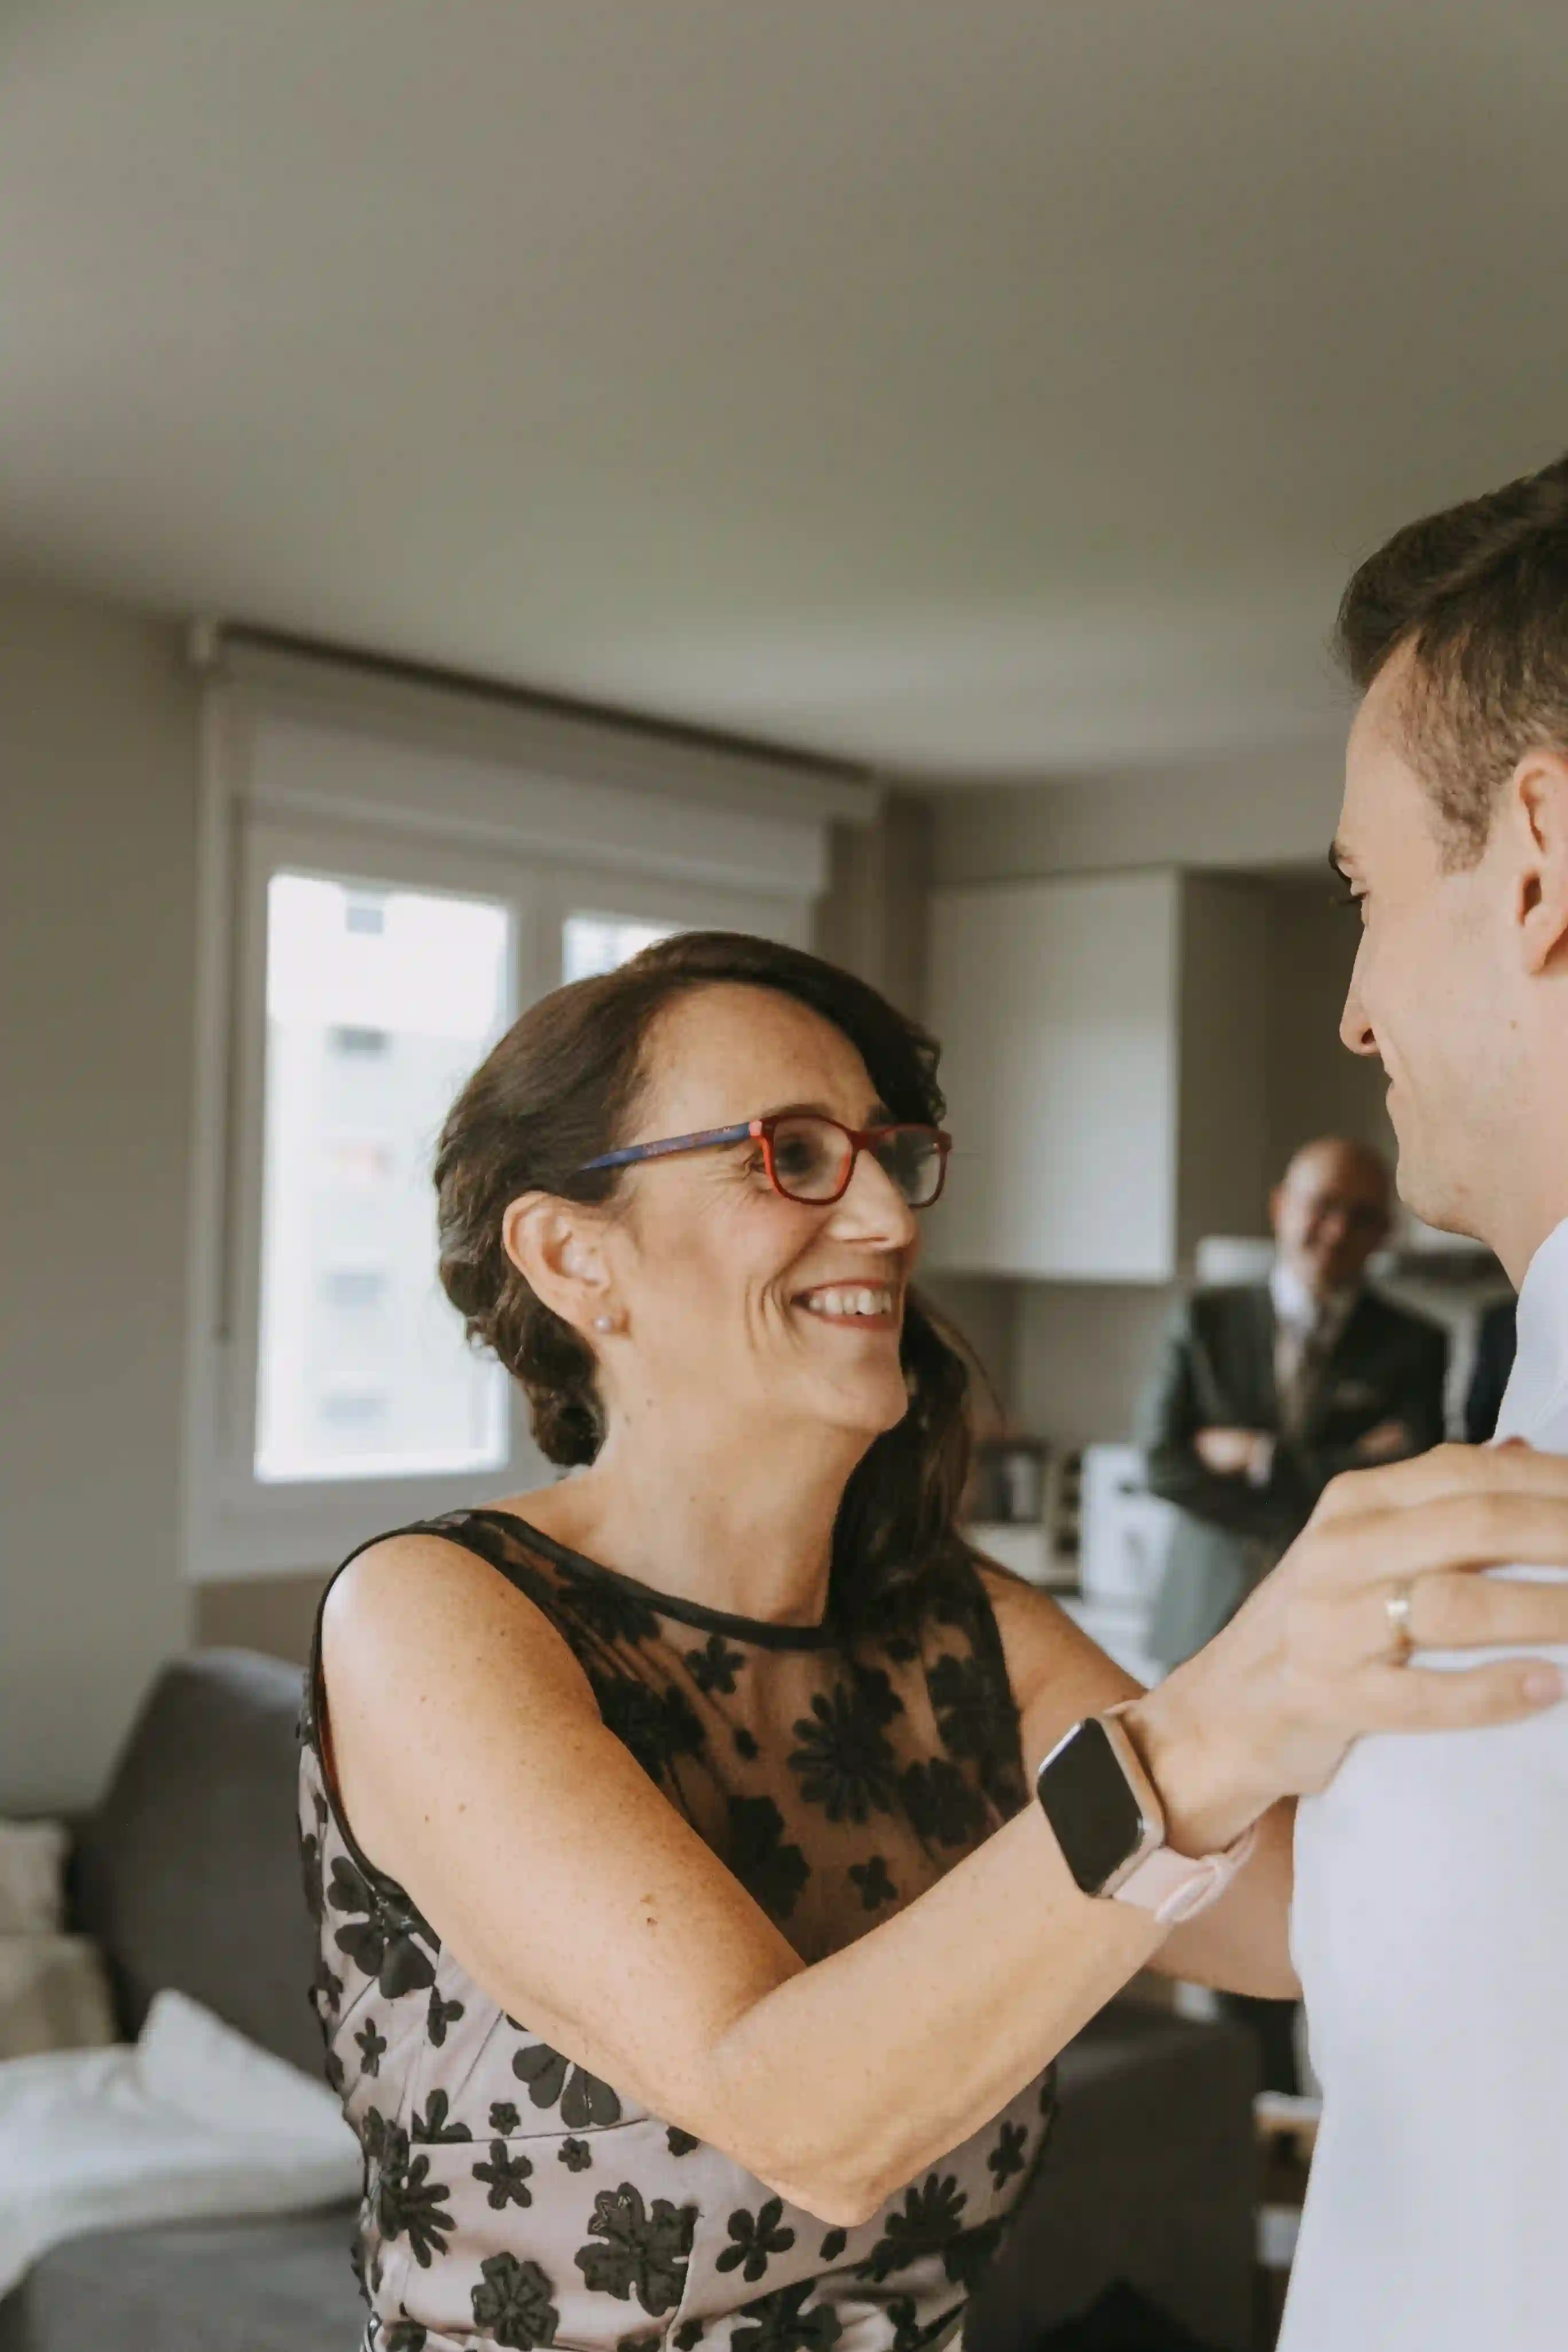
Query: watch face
{"points": [[1087, 1799]]}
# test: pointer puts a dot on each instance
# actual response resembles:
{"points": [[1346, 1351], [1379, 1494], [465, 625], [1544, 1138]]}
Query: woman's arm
{"points": [[1058, 1675], [473, 1767]]}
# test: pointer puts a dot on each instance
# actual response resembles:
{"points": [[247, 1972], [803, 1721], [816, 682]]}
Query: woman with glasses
{"points": [[693, 1952]]}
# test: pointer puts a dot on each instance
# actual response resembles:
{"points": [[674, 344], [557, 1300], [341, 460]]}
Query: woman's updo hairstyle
{"points": [[560, 1089]]}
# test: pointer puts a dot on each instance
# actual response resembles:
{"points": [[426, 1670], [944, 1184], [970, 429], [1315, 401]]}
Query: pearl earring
{"points": [[603, 1322]]}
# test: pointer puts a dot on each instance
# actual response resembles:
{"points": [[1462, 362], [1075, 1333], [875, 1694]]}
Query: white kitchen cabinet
{"points": [[1104, 1046]]}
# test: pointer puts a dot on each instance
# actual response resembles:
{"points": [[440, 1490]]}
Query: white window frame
{"points": [[307, 771]]}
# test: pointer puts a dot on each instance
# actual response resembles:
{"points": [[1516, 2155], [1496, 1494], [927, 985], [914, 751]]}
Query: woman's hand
{"points": [[1314, 1657]]}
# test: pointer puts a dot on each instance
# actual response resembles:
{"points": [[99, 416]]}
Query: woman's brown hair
{"points": [[557, 1091]]}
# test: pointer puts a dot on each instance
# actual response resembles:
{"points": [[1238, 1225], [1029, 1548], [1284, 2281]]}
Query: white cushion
{"points": [[54, 1995], [192, 2121], [32, 1877]]}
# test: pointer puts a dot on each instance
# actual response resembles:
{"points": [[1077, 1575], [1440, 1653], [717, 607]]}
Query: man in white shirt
{"points": [[1431, 1917]]}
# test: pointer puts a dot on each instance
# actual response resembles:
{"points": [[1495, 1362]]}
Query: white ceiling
{"points": [[975, 388]]}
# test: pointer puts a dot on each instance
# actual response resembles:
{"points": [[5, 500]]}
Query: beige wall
{"points": [[98, 795], [873, 919], [1229, 815]]}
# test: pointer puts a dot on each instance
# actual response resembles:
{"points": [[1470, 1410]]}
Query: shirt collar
{"points": [[1301, 1308], [1540, 1365]]}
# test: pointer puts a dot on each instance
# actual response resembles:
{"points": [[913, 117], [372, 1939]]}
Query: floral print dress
{"points": [[512, 2198]]}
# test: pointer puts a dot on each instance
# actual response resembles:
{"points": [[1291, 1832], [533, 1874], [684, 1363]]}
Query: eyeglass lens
{"points": [[811, 1159]]}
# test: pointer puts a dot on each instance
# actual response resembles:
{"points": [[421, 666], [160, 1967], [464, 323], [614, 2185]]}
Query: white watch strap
{"points": [[1174, 1887]]}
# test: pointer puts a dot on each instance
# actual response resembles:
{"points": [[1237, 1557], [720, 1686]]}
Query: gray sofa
{"points": [[187, 1875]]}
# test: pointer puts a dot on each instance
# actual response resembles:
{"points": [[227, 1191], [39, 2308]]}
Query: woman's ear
{"points": [[557, 1248], [1539, 789]]}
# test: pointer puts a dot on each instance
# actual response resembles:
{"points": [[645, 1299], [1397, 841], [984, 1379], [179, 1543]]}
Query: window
{"points": [[377, 909], [371, 1029], [592, 944]]}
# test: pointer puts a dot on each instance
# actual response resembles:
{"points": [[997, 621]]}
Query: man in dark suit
{"points": [[1263, 1393]]}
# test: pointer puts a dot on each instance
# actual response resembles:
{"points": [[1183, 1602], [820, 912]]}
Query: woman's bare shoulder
{"points": [[422, 1604]]}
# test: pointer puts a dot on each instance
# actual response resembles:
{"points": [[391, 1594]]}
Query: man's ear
{"points": [[557, 1248], [1538, 801]]}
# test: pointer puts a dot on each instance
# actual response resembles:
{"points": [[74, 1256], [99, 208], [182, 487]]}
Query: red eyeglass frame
{"points": [[762, 1130]]}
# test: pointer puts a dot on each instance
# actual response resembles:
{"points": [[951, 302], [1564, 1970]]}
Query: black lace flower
{"points": [[715, 1666], [1007, 2157], [964, 1705], [504, 2117], [689, 2334], [876, 1886], [876, 1694], [440, 2016], [403, 2198], [745, 1745], [575, 2154], [844, 1763], [943, 1808], [968, 2257], [782, 2323], [310, 1863], [514, 2304], [757, 2237], [372, 2046], [507, 2176], [658, 1726], [681, 2143], [643, 2253], [405, 2335], [435, 2127], [904, 2313], [391, 1943], [326, 1992], [553, 2081], [766, 1866], [833, 2245], [607, 1609], [931, 2215]]}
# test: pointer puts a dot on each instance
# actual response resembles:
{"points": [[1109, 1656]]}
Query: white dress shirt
{"points": [[1304, 1323], [1430, 1930]]}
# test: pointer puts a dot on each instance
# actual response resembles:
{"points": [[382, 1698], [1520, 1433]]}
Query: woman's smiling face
{"points": [[733, 1299]]}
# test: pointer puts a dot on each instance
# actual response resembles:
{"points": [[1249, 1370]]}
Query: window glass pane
{"points": [[379, 1005], [591, 944]]}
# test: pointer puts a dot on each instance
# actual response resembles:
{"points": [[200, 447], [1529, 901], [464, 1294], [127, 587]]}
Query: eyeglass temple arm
{"points": [[670, 1143]]}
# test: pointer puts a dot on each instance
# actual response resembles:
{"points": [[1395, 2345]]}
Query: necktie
{"points": [[1306, 1375]]}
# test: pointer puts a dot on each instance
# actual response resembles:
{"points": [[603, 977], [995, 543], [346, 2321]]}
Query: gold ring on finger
{"points": [[1396, 1608]]}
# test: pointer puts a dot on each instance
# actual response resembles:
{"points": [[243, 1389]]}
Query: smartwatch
{"points": [[1105, 1816]]}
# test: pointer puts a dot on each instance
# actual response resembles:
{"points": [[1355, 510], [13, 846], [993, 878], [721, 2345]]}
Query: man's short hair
{"points": [[1479, 594]]}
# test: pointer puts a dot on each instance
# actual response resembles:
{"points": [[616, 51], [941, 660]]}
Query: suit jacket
{"points": [[1216, 1370]]}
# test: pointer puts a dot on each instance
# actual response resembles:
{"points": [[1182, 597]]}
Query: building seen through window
{"points": [[379, 1005]]}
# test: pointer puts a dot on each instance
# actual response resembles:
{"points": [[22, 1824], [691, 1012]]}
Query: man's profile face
{"points": [[1427, 993]]}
